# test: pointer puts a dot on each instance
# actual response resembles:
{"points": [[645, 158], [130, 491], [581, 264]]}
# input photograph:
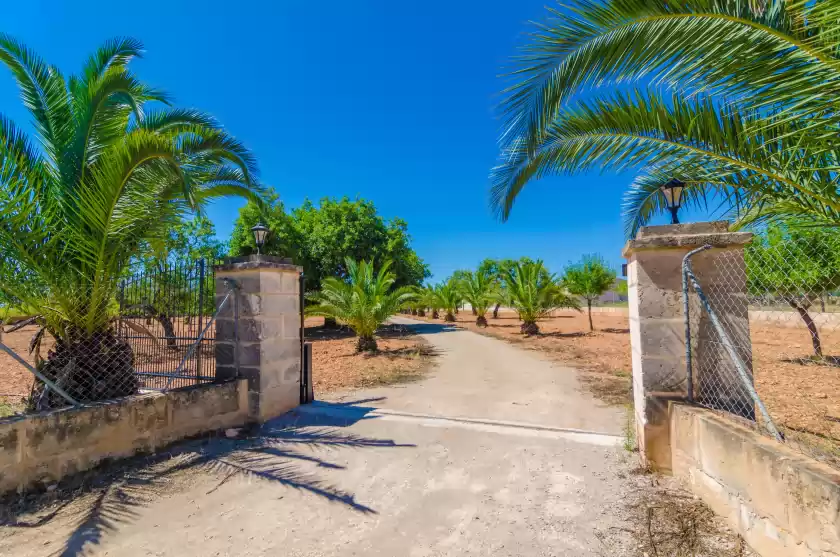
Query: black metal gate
{"points": [[163, 307]]}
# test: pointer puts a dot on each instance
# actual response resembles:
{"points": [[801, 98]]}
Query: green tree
{"points": [[480, 290], [107, 176], [589, 279], [796, 265], [622, 288], [749, 114], [448, 298], [319, 238], [364, 301], [535, 293], [272, 214]]}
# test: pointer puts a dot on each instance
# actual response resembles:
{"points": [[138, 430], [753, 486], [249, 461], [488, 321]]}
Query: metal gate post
{"points": [[200, 317]]}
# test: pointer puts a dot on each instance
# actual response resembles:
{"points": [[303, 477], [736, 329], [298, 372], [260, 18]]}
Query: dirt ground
{"points": [[336, 365], [802, 396], [403, 356]]}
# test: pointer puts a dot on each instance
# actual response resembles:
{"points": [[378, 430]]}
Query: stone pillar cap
{"points": [[248, 262], [681, 236]]}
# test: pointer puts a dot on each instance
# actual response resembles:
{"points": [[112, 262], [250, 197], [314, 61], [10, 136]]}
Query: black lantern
{"points": [[260, 234], [673, 191]]}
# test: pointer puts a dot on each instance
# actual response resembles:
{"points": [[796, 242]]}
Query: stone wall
{"points": [[781, 502], [43, 448]]}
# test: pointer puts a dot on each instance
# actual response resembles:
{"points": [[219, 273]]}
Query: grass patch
{"points": [[9, 408], [629, 441]]}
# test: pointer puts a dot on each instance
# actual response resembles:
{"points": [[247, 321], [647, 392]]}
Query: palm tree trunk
{"points": [[496, 311], [100, 367], [481, 321], [529, 328], [589, 308], [330, 323], [367, 344], [812, 327], [450, 318], [435, 314]]}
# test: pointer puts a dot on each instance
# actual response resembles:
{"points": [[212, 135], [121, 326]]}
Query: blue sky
{"points": [[391, 101]]}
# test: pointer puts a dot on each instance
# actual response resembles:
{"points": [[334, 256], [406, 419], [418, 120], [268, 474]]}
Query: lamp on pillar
{"points": [[260, 234], [673, 191]]}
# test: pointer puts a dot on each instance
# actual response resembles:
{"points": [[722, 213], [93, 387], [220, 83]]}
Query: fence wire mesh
{"points": [[777, 305], [154, 331]]}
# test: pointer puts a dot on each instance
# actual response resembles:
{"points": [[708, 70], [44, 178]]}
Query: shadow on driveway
{"points": [[102, 501]]}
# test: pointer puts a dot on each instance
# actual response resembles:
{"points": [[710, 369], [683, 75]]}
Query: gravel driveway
{"points": [[498, 452]]}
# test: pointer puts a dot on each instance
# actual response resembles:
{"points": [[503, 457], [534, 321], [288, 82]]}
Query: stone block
{"points": [[664, 338], [267, 332], [782, 502]]}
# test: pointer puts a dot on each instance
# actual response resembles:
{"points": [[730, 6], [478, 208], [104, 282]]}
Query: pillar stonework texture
{"points": [[657, 324], [261, 343]]}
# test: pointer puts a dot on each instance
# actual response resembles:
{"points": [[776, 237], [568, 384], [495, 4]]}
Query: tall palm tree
{"points": [[364, 301], [479, 289], [534, 293], [754, 119], [106, 175]]}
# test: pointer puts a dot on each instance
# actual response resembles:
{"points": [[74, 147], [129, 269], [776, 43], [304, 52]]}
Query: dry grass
{"points": [[673, 523], [665, 520]]}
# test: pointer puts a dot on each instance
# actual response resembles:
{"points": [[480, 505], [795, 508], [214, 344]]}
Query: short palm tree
{"points": [[427, 300], [448, 297], [105, 177], [534, 293], [753, 120], [364, 301], [479, 289]]}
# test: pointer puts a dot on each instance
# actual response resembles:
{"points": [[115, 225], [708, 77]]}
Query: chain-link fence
{"points": [[153, 330], [765, 337]]}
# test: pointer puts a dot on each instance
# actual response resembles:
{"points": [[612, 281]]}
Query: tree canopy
{"points": [[590, 278], [732, 98], [111, 168], [322, 238], [795, 265]]}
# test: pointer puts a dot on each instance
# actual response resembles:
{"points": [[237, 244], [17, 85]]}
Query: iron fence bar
{"points": [[39, 375], [730, 348], [200, 338], [200, 315]]}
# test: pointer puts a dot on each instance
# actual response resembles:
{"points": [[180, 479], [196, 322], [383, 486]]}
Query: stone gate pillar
{"points": [[657, 324], [262, 342]]}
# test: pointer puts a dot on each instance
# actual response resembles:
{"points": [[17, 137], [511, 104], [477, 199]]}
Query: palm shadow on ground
{"points": [[287, 452]]}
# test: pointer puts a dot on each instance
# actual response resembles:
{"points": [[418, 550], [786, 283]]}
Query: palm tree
{"points": [[427, 300], [106, 176], [448, 298], [480, 291], [364, 301], [589, 279], [535, 293], [754, 119]]}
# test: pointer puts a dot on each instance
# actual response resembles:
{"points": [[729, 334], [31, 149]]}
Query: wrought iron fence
{"points": [[763, 332], [158, 333], [163, 309]]}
